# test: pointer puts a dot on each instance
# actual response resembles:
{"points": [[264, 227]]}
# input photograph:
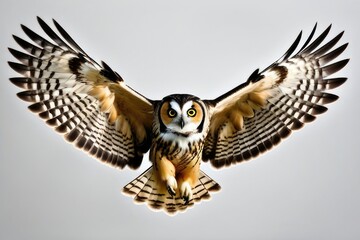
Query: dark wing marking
{"points": [[256, 115], [87, 102]]}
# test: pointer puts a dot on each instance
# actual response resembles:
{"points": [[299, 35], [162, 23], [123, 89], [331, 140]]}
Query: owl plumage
{"points": [[92, 107]]}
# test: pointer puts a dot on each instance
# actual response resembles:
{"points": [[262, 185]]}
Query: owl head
{"points": [[182, 115]]}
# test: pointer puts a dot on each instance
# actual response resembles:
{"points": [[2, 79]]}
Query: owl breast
{"points": [[180, 150]]}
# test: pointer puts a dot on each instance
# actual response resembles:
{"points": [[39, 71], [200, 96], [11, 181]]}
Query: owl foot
{"points": [[171, 185], [186, 192]]}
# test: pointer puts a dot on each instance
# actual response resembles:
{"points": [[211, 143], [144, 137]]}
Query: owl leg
{"points": [[186, 192], [166, 171], [171, 185], [187, 180]]}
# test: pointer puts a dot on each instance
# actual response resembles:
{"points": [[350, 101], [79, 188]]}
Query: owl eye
{"points": [[172, 113], [191, 112]]}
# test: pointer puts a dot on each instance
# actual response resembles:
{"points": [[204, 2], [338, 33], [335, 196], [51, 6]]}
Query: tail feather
{"points": [[147, 189], [204, 185]]}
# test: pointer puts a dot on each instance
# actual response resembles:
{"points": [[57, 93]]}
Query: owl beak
{"points": [[182, 123]]}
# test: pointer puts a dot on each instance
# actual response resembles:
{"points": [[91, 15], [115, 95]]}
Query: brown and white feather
{"points": [[88, 103], [256, 115], [146, 189]]}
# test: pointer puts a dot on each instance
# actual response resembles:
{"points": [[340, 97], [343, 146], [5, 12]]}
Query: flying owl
{"points": [[93, 108]]}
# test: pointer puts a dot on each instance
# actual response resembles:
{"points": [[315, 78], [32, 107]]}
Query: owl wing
{"points": [[89, 104], [253, 117]]}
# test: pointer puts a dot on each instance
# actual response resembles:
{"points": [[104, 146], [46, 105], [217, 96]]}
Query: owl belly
{"points": [[179, 160]]}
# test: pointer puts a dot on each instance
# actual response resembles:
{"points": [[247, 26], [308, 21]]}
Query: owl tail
{"points": [[147, 189]]}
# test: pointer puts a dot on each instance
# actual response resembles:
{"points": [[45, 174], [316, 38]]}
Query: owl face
{"points": [[181, 115]]}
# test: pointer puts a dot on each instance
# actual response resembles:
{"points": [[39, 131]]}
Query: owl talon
{"points": [[186, 192], [171, 186], [186, 200], [171, 191]]}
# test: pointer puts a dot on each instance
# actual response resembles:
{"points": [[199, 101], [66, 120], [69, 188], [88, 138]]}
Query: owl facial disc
{"points": [[181, 116]]}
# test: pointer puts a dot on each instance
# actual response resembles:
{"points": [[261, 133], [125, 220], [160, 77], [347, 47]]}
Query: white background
{"points": [[307, 188]]}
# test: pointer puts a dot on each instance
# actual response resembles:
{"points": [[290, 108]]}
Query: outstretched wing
{"points": [[88, 103], [256, 115]]}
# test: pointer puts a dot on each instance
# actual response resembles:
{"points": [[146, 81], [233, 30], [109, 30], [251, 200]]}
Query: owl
{"points": [[92, 107]]}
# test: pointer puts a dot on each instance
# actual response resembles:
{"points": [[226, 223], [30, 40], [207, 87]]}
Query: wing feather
{"points": [[255, 116], [68, 38], [86, 102]]}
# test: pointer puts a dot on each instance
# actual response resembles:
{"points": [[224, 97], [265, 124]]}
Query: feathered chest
{"points": [[180, 150]]}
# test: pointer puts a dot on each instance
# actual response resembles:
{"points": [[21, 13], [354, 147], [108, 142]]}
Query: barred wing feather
{"points": [[89, 103], [253, 117]]}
